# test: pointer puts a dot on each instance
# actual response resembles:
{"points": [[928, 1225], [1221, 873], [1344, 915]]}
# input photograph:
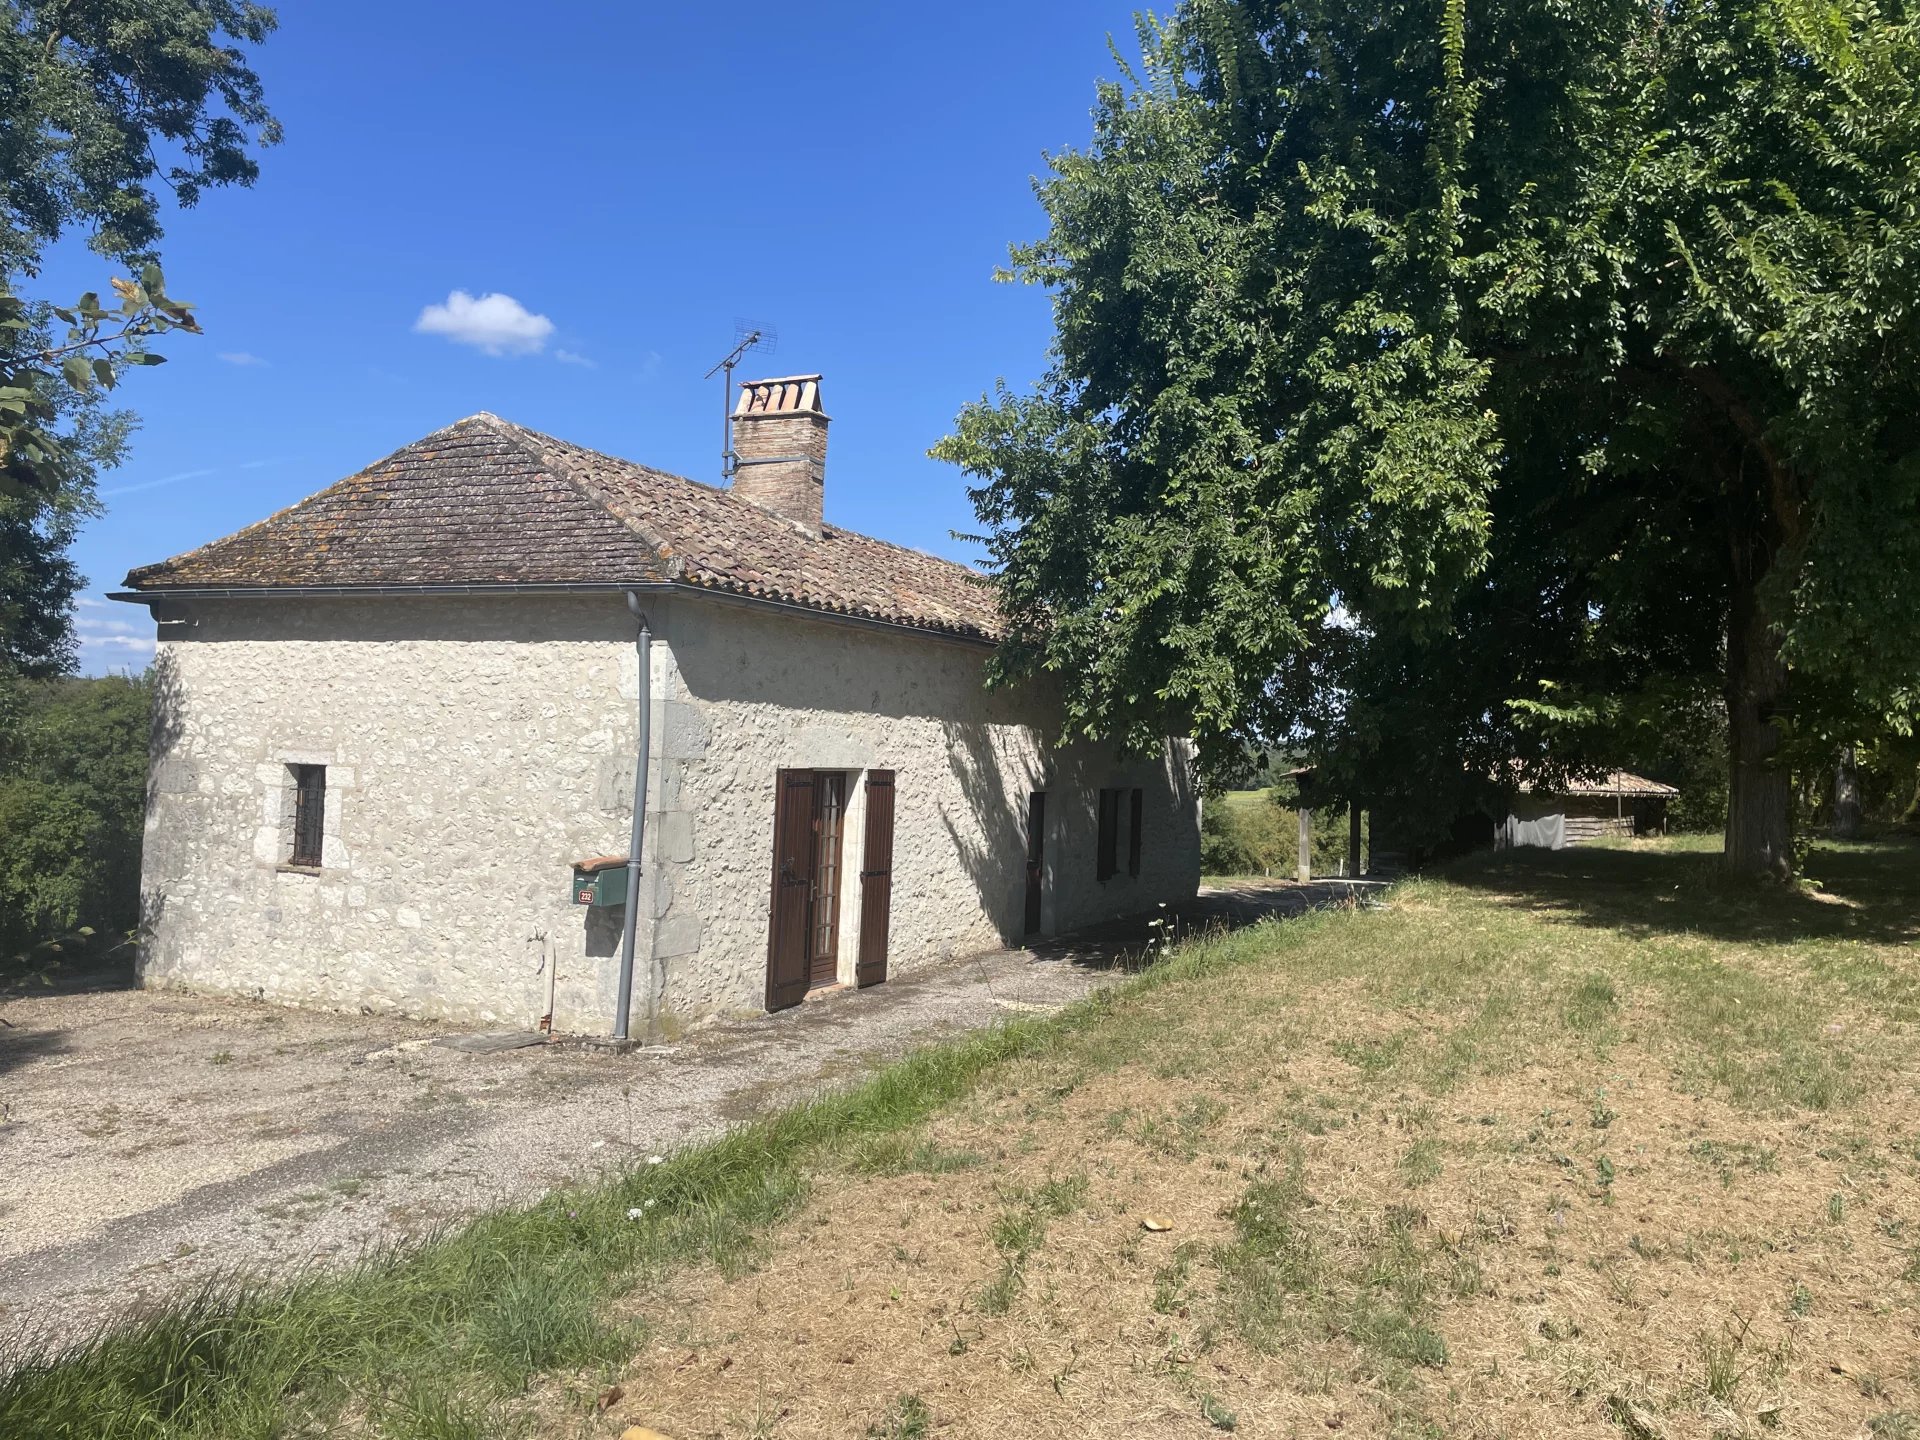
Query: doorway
{"points": [[1036, 857], [803, 942]]}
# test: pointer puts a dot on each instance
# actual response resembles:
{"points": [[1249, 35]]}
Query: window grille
{"points": [[309, 814]]}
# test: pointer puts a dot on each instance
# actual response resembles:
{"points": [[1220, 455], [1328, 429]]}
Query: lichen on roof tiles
{"points": [[486, 501]]}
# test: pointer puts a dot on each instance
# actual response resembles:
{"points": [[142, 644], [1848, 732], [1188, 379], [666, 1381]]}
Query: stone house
{"points": [[392, 718]]}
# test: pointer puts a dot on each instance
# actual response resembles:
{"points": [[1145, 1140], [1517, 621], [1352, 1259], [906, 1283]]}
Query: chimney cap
{"points": [[781, 395]]}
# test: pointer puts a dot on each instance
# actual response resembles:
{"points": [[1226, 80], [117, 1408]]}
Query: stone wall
{"points": [[753, 692], [475, 748]]}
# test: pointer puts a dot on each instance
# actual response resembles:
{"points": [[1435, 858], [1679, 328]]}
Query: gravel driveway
{"points": [[152, 1139]]}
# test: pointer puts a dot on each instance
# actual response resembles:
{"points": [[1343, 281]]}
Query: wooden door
{"points": [[1036, 856], [787, 942], [876, 880], [823, 928]]}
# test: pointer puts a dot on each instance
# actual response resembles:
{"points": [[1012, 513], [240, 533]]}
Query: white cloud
{"points": [[574, 357], [494, 324], [112, 644], [157, 484], [241, 357]]}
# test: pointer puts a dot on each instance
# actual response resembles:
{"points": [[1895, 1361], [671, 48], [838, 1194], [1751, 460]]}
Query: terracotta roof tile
{"points": [[783, 395], [486, 501], [1611, 782]]}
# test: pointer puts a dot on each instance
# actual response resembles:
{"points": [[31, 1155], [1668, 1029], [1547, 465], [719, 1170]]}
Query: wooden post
{"points": [[1304, 872], [1353, 838]]}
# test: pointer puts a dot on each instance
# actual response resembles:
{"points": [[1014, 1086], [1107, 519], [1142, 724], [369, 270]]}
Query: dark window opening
{"points": [[309, 814], [1107, 862], [1134, 807]]}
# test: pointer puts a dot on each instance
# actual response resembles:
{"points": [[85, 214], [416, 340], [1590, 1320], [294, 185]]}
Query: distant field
{"points": [[1243, 799], [1587, 1143], [1256, 834]]}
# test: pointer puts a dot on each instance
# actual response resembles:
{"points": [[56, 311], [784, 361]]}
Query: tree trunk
{"points": [[1759, 794], [1846, 796]]}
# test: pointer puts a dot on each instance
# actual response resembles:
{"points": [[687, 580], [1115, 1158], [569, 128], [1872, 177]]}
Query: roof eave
{"points": [[429, 590]]}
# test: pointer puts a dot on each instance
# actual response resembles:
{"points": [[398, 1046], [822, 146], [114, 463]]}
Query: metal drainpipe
{"points": [[643, 648]]}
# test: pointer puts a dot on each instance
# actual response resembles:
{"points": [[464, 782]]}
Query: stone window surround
{"points": [[273, 838]]}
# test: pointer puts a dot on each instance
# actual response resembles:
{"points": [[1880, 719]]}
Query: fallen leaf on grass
{"points": [[609, 1398], [1148, 1222]]}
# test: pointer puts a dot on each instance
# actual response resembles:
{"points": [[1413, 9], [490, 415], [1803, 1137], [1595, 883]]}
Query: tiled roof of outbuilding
{"points": [[1612, 782], [485, 501]]}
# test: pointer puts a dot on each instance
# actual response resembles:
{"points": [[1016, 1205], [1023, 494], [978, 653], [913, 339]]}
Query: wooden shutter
{"points": [[1133, 833], [1107, 855], [1036, 858], [792, 886], [876, 880]]}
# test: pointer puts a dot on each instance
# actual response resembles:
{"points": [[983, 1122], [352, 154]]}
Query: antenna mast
{"points": [[748, 335]]}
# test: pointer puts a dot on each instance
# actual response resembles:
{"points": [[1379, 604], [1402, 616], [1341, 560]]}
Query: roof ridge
{"points": [[723, 491]]}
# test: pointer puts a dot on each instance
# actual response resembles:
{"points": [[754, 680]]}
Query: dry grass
{"points": [[1580, 1145]]}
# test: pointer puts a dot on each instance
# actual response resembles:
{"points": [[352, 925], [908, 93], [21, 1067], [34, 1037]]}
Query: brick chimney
{"points": [[780, 448]]}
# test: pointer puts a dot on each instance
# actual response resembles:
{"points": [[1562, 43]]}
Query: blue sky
{"points": [[637, 175]]}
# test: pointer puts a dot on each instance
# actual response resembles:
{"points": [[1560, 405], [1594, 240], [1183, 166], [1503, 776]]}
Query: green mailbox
{"points": [[600, 881]]}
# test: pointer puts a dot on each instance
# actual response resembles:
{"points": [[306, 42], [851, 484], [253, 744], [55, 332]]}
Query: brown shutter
{"points": [[876, 880], [1133, 834], [792, 885], [1036, 857]]}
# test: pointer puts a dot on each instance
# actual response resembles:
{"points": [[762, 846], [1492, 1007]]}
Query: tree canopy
{"points": [[1442, 386], [108, 108]]}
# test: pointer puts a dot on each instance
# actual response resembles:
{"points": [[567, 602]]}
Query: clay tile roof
{"points": [[1611, 782], [485, 501], [785, 395]]}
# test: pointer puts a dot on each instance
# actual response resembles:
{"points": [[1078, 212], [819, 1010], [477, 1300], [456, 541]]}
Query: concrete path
{"points": [[152, 1139]]}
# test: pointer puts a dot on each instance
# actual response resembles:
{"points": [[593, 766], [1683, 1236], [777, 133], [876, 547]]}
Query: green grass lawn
{"points": [[1580, 1143]]}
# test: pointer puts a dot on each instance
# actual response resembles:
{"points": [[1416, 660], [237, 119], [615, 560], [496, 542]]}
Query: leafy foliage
{"points": [[104, 105], [72, 798], [109, 98], [1258, 404], [1423, 379], [41, 462]]}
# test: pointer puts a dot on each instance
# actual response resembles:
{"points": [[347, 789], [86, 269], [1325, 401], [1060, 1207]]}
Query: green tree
{"points": [[1443, 386], [104, 105], [72, 798]]}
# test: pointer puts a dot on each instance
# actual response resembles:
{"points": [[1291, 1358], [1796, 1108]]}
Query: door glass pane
{"points": [[826, 893]]}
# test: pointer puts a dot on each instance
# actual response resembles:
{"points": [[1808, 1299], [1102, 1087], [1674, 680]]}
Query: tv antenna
{"points": [[748, 335]]}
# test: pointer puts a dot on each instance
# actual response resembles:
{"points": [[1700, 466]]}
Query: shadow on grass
{"points": [[1129, 943], [1868, 892]]}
